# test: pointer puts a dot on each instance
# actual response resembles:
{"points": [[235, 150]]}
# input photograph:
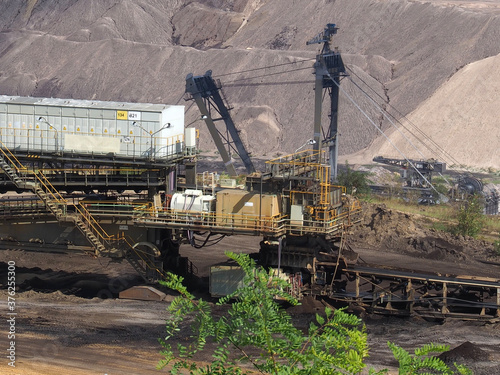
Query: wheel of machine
{"points": [[470, 185]]}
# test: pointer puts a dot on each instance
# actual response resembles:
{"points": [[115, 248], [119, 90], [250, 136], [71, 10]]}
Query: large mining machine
{"points": [[311, 212], [306, 217], [51, 148]]}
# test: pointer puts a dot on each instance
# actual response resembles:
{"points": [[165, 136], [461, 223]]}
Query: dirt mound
{"points": [[464, 353], [447, 107], [392, 230]]}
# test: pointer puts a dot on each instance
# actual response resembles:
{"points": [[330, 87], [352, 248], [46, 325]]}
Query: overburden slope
{"points": [[408, 55]]}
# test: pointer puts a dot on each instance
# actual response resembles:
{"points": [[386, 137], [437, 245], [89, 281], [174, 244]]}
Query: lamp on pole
{"points": [[53, 128], [309, 142], [202, 117], [151, 134]]}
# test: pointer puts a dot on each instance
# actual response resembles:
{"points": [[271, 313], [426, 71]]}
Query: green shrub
{"points": [[355, 182], [496, 247], [470, 217], [257, 335]]}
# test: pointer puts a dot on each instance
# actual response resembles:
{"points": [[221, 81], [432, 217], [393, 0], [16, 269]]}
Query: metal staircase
{"points": [[57, 204], [150, 270], [103, 243]]}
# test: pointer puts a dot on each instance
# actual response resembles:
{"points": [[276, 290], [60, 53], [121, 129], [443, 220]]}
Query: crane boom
{"points": [[205, 91]]}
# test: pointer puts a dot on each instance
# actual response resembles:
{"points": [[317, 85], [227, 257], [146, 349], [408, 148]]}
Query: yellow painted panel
{"points": [[122, 115]]}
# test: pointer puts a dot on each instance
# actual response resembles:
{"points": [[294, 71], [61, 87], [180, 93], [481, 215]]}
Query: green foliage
{"points": [[441, 185], [496, 247], [354, 181], [422, 361], [441, 188], [470, 217], [241, 179], [261, 332], [442, 227], [257, 335]]}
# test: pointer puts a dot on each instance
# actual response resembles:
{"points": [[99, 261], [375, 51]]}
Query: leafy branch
{"points": [[257, 336]]}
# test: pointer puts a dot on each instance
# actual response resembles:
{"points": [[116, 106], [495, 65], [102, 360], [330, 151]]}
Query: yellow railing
{"points": [[211, 220], [325, 221], [95, 227], [49, 189], [54, 194], [143, 256], [95, 170], [84, 214], [11, 159], [306, 157], [55, 197]]}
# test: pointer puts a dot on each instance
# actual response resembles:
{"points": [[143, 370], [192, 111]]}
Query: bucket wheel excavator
{"points": [[302, 216], [311, 212]]}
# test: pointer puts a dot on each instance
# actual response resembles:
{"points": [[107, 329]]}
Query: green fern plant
{"points": [[423, 362]]}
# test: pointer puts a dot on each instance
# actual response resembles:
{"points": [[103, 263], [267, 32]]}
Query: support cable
{"points": [[436, 145], [266, 75], [385, 115], [381, 132], [266, 67]]}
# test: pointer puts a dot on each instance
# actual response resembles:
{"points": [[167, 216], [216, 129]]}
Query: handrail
{"points": [[97, 229], [146, 261], [85, 215], [212, 220], [44, 139], [49, 188], [18, 166], [306, 157], [53, 195], [328, 222]]}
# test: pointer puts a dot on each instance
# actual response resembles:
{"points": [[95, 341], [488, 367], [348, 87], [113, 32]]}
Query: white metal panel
{"points": [[296, 214], [162, 132], [190, 137], [91, 144]]}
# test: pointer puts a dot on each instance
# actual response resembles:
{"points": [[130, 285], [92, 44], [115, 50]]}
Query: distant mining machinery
{"points": [[468, 185], [417, 175]]}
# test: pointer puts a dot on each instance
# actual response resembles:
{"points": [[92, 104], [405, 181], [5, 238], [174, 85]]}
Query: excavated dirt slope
{"points": [[141, 51]]}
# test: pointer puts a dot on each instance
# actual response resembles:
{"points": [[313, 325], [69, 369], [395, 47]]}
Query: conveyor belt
{"points": [[403, 292]]}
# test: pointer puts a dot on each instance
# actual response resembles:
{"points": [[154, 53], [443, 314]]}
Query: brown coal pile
{"points": [[392, 230], [464, 354]]}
